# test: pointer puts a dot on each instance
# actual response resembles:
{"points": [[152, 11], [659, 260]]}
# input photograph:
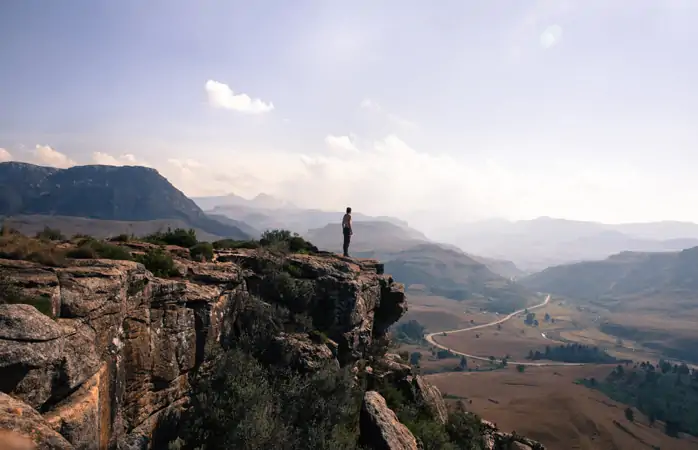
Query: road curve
{"points": [[430, 339]]}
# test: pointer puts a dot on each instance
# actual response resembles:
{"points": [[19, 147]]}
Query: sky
{"points": [[448, 111]]}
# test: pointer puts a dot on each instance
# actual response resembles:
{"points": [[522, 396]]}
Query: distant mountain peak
{"points": [[122, 193]]}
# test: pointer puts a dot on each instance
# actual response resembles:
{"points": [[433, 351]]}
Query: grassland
{"points": [[546, 404], [31, 224]]}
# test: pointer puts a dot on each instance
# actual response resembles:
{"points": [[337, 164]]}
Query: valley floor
{"points": [[545, 404], [542, 402]]}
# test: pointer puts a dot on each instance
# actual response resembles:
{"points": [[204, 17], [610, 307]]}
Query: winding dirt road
{"points": [[430, 339]]}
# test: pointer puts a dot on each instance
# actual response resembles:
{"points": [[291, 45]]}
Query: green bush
{"points": [[50, 234], [202, 250], [178, 236], [243, 404], [83, 251], [123, 237], [93, 249], [232, 244], [158, 262], [463, 430], [284, 240]]}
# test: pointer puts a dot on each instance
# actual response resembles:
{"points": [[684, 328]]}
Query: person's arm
{"points": [[351, 230]]}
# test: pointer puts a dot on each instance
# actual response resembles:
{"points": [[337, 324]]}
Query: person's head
{"points": [[348, 210]]}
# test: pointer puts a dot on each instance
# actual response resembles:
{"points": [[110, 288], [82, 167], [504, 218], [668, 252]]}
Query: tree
{"points": [[463, 363], [547, 317], [629, 414], [530, 317], [521, 368], [410, 331], [415, 357]]}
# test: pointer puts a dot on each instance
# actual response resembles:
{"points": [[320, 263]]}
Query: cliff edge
{"points": [[116, 351]]}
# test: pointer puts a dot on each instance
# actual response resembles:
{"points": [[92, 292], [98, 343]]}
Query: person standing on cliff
{"points": [[347, 231]]}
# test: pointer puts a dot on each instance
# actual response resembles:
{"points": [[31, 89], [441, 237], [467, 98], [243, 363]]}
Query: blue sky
{"points": [[580, 109]]}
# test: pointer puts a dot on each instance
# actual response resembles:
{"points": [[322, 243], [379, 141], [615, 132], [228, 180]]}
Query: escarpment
{"points": [[116, 351]]}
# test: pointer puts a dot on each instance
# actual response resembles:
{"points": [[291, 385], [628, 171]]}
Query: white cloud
{"points": [[44, 155], [341, 143], [127, 159], [5, 155], [393, 119], [221, 96]]}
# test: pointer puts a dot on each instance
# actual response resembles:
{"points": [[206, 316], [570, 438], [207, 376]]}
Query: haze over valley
{"points": [[348, 226]]}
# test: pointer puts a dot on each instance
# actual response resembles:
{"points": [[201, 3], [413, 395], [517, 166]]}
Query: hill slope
{"points": [[622, 275], [440, 269], [536, 244], [266, 212], [128, 193]]}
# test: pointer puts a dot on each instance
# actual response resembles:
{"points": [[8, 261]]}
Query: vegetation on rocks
{"points": [[246, 399], [10, 294]]}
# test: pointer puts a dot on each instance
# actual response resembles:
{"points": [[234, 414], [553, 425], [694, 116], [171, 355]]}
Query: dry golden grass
{"points": [[440, 313], [430, 364], [17, 246], [493, 342], [33, 224], [545, 404]]}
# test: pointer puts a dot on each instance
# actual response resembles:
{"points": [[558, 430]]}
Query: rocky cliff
{"points": [[117, 347]]}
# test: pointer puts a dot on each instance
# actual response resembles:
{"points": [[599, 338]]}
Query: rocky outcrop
{"points": [[119, 352], [21, 425], [498, 440], [380, 428], [429, 395]]}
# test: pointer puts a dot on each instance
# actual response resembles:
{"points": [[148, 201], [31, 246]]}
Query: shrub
{"points": [[50, 234], [232, 243], [245, 401], [284, 240], [82, 252], [158, 262], [122, 238], [202, 250], [93, 249], [6, 230], [178, 236]]}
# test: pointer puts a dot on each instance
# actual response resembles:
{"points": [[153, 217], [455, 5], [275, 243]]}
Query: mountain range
{"points": [[624, 275], [440, 269], [104, 193], [265, 212], [536, 244]]}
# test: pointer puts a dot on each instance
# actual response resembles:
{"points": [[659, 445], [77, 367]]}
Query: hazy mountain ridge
{"points": [[441, 269], [126, 193], [267, 212], [621, 275], [544, 242]]}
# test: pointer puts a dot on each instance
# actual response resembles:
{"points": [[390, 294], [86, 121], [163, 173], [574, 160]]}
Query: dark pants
{"points": [[347, 240]]}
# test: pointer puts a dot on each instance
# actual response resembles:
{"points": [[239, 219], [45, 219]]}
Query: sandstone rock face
{"points": [[119, 353], [430, 396], [21, 424], [380, 428]]}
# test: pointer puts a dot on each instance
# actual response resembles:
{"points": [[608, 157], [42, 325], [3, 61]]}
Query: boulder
{"points": [[380, 428]]}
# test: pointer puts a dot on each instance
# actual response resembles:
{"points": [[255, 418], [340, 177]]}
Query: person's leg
{"points": [[347, 239]]}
